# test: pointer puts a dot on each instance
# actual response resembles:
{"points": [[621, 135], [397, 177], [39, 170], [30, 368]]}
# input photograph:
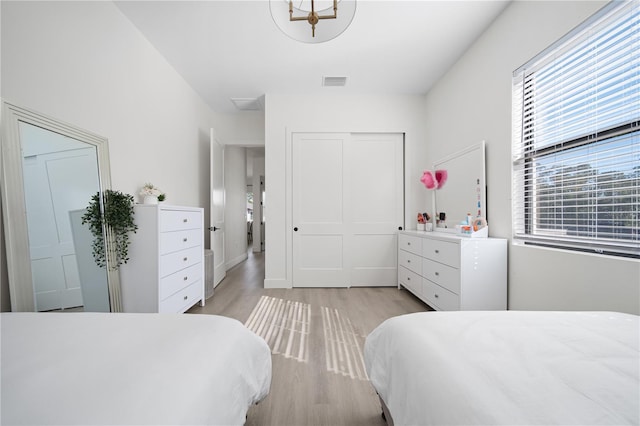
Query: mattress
{"points": [[102, 368], [507, 368]]}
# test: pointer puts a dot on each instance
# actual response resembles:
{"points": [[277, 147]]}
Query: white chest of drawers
{"points": [[450, 272], [166, 270]]}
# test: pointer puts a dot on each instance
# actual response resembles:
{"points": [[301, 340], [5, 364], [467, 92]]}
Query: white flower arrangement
{"points": [[149, 190]]}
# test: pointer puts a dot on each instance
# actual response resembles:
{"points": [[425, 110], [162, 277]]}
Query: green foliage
{"points": [[117, 222]]}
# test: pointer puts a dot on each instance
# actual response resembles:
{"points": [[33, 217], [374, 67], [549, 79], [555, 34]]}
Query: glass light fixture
{"points": [[326, 19]]}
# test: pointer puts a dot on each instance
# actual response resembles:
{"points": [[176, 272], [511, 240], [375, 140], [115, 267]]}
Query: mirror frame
{"points": [[438, 164], [13, 200]]}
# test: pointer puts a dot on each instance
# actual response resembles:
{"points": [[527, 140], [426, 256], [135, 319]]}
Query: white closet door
{"points": [[348, 199], [320, 235], [376, 167]]}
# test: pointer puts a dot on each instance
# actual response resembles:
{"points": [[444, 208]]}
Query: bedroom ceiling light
{"points": [[335, 14], [313, 17]]}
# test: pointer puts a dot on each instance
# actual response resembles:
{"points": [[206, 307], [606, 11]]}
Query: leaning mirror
{"points": [[50, 171], [464, 191]]}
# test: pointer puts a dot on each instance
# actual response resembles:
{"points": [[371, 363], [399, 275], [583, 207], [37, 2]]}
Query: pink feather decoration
{"points": [[427, 180], [441, 178], [434, 182]]}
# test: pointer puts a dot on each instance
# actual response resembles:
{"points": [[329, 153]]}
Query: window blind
{"points": [[576, 138]]}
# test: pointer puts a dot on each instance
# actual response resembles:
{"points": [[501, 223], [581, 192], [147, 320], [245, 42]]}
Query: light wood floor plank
{"points": [[308, 388]]}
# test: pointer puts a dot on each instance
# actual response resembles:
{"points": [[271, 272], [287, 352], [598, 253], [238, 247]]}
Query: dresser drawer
{"points": [[442, 251], [179, 280], [410, 243], [443, 275], [176, 220], [439, 297], [410, 261], [179, 240], [173, 262], [182, 300], [410, 280]]}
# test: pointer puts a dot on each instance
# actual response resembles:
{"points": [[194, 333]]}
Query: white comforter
{"points": [[507, 368], [96, 368]]}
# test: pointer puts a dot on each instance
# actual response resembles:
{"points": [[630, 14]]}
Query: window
{"points": [[576, 138]]}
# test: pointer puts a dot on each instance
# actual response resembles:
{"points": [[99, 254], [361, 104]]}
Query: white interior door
{"points": [[217, 209], [376, 167], [348, 203], [52, 190], [320, 238]]}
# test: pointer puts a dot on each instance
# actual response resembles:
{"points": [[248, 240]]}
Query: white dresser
{"points": [[451, 272], [166, 270]]}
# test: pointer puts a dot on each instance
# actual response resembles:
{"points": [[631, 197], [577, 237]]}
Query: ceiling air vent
{"points": [[247, 104], [334, 81]]}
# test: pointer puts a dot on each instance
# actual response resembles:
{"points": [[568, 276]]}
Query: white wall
{"points": [[246, 128], [473, 102], [235, 210], [84, 63], [331, 113]]}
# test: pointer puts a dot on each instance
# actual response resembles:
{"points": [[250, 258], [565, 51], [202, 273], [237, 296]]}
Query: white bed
{"points": [[100, 368], [507, 368]]}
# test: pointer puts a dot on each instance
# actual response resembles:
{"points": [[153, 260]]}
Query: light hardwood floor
{"points": [[318, 385]]}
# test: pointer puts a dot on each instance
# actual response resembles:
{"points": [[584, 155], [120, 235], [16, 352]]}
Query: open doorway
{"points": [[255, 187]]}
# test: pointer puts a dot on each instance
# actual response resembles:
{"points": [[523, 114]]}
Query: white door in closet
{"points": [[217, 209], [376, 194], [347, 207]]}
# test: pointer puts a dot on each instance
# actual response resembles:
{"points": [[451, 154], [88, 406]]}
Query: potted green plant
{"points": [[117, 222]]}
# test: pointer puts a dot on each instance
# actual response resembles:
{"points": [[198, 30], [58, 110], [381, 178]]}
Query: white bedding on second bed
{"points": [[95, 368], [508, 367]]}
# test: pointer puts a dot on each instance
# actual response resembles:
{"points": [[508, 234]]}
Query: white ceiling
{"points": [[233, 49]]}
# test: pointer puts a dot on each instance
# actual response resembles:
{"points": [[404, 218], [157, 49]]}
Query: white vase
{"points": [[150, 199]]}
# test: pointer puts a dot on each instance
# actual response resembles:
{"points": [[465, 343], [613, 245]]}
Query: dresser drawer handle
{"points": [[184, 259], [185, 298], [437, 274], [185, 278], [184, 240], [408, 260], [408, 244], [408, 278], [436, 295], [437, 251], [185, 220]]}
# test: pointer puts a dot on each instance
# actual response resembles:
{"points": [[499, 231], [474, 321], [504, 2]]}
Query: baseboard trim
{"points": [[233, 262], [276, 283]]}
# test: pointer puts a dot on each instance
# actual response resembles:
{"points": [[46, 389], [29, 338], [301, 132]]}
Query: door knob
{"points": [[295, 229], [399, 228], [213, 228]]}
